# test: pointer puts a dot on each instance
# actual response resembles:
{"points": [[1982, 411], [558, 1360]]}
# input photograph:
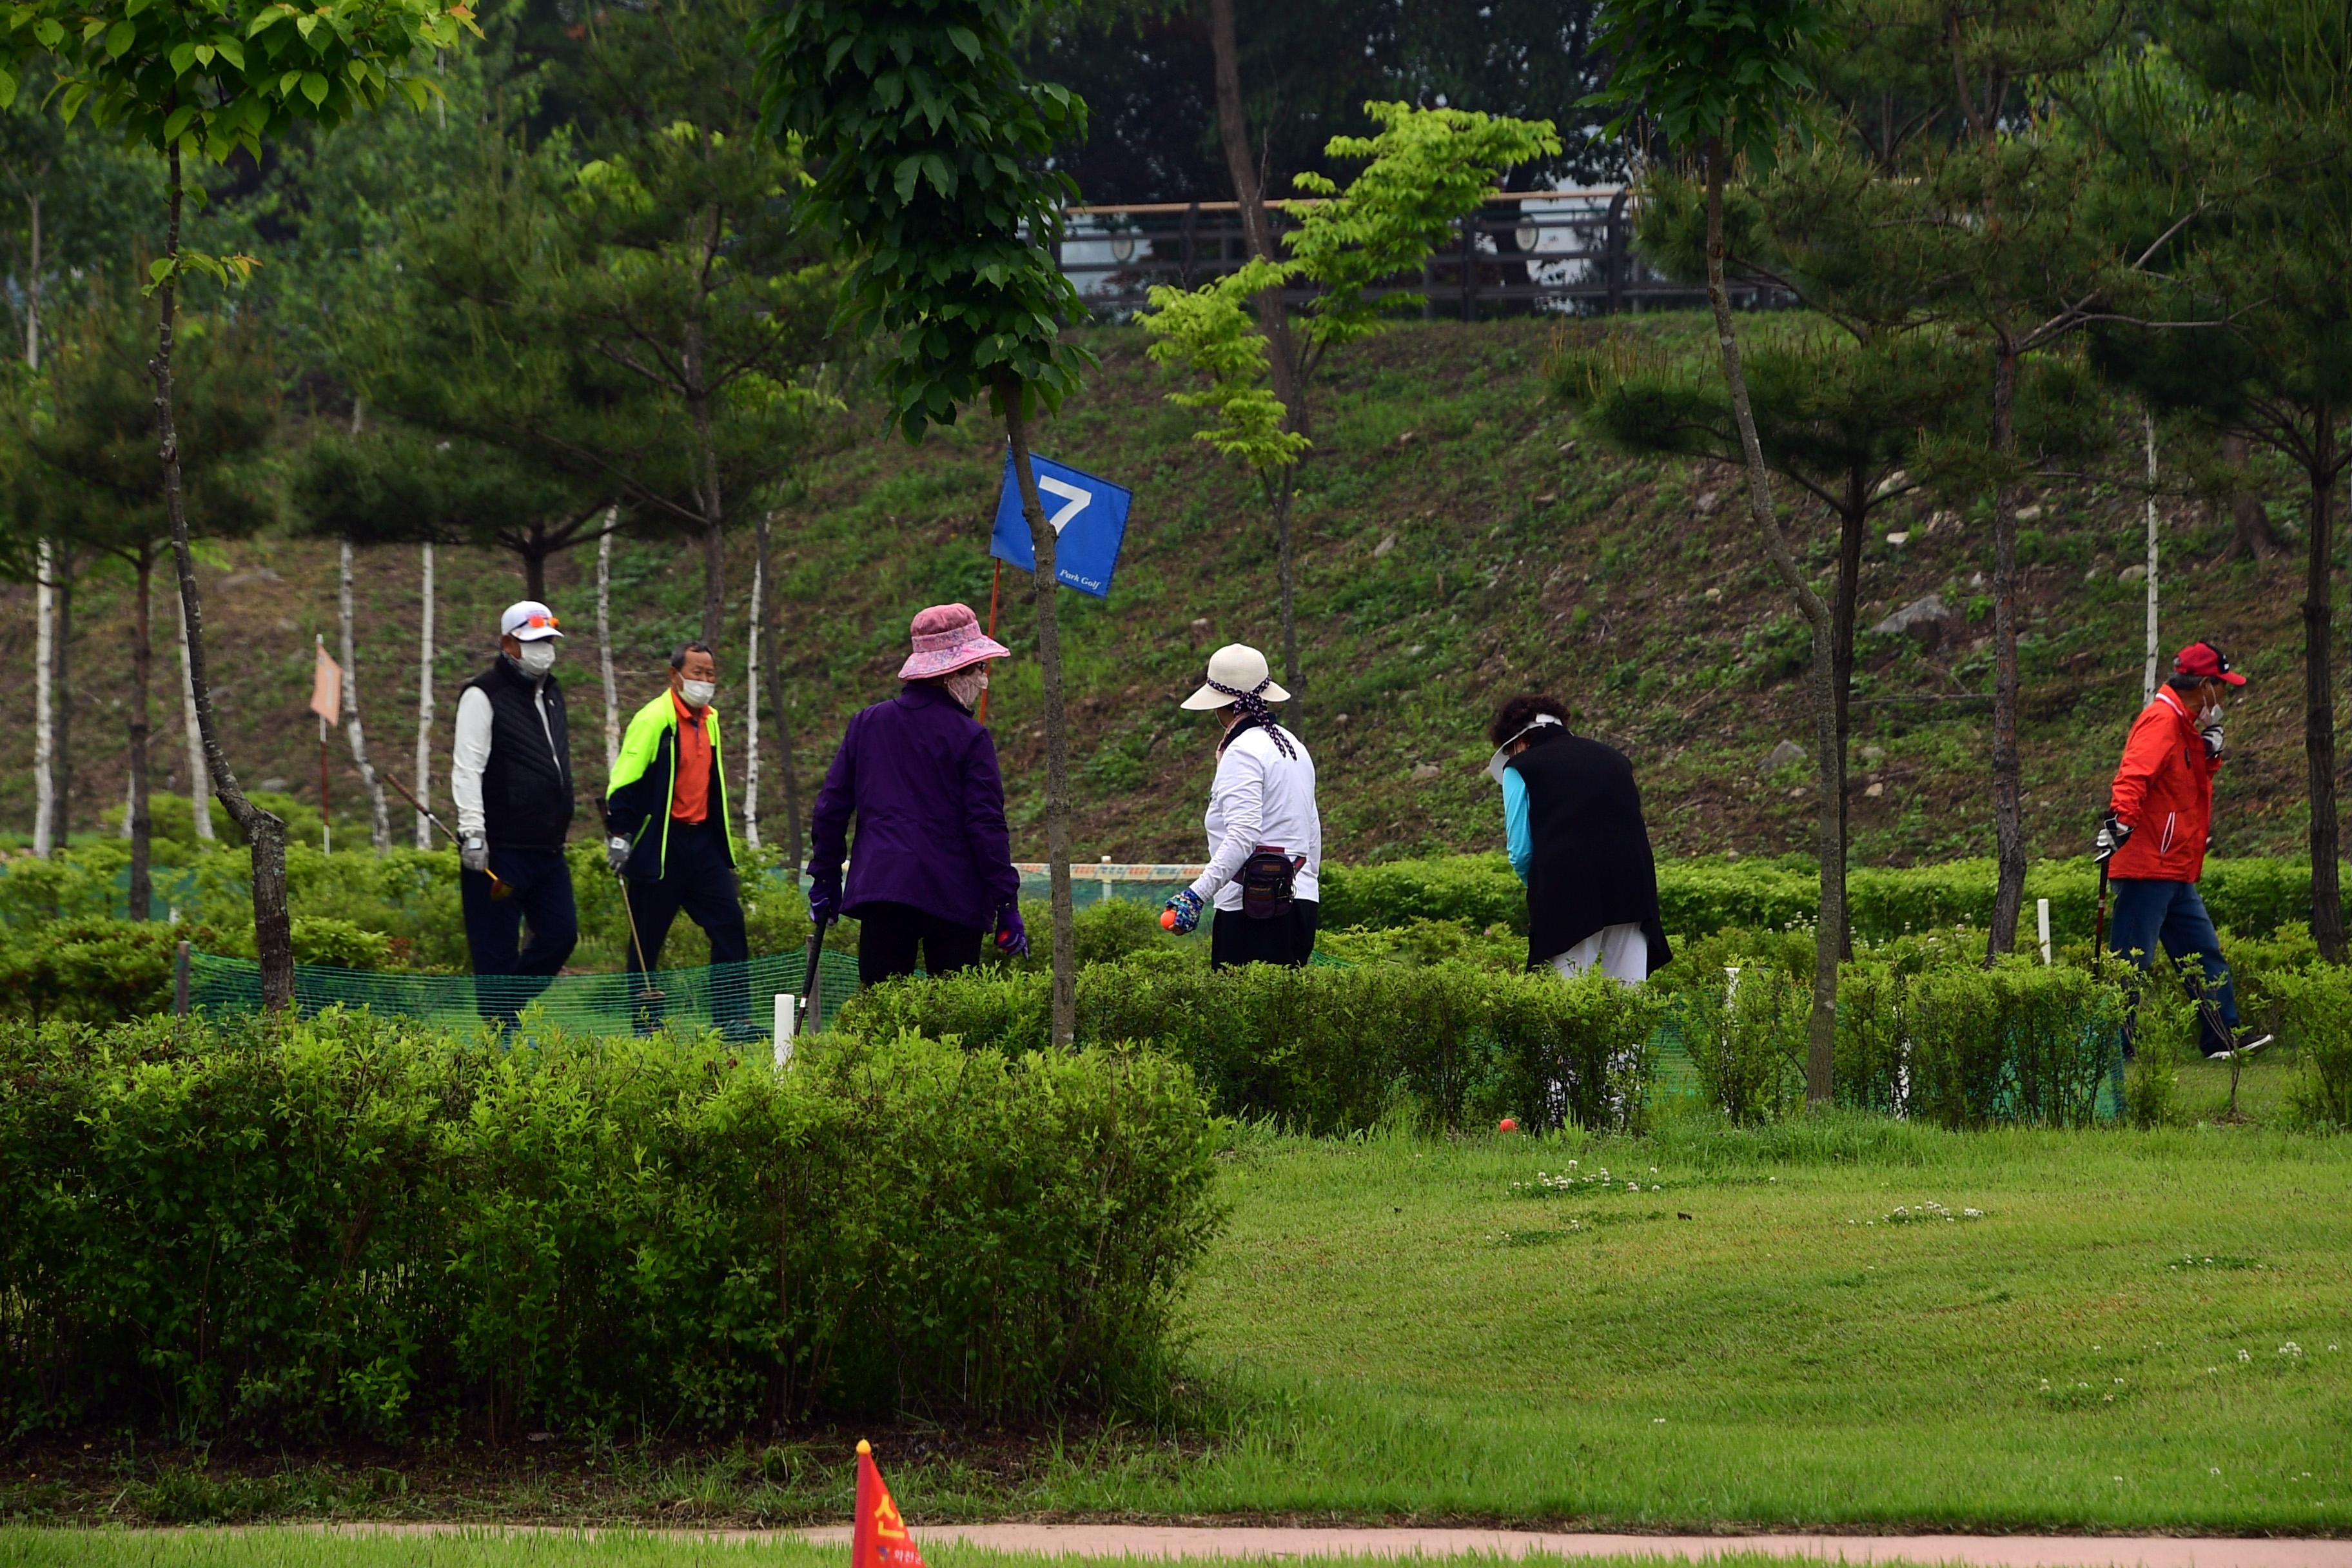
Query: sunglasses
{"points": [[536, 621]]}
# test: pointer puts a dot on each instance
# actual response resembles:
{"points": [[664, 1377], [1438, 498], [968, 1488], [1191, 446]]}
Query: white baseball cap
{"points": [[528, 620], [1235, 668]]}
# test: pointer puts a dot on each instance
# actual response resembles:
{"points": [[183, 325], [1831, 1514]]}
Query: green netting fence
{"points": [[739, 997]]}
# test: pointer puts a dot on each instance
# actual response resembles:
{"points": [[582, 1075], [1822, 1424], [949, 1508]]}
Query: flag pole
{"points": [[995, 591]]}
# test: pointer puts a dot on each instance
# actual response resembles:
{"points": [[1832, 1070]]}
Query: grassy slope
{"points": [[1513, 563]]}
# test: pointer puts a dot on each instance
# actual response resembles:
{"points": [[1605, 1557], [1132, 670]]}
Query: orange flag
{"points": [[880, 1538], [326, 685]]}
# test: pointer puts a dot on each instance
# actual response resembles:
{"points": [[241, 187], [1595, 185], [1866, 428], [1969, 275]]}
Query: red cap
{"points": [[2203, 658]]}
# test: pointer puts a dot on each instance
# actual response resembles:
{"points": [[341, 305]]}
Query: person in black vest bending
{"points": [[1572, 818], [510, 775]]}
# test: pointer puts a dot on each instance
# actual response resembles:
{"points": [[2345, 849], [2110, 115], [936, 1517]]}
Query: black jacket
{"points": [[1591, 864], [527, 784]]}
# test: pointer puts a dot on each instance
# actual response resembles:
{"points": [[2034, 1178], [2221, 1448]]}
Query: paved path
{"points": [[1988, 1551]]}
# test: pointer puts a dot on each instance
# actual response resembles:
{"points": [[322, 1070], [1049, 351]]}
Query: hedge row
{"points": [[339, 1227], [1328, 1049], [2249, 897]]}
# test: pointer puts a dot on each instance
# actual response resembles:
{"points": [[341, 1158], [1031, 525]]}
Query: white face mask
{"points": [[698, 693], [537, 657]]}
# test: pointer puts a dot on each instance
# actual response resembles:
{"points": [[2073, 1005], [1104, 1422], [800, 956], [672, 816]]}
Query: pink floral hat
{"points": [[948, 639]]}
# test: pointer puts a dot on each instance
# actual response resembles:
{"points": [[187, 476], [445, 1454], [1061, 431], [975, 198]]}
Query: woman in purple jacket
{"points": [[933, 866]]}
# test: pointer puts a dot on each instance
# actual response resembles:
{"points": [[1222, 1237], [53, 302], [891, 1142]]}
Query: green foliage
{"points": [[1210, 329], [210, 79], [1330, 1049], [337, 1228], [2016, 1042], [91, 969], [931, 157], [1707, 70], [2152, 1090], [338, 944], [1746, 1036], [2316, 1012]]}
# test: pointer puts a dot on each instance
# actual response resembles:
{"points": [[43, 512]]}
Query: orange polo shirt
{"points": [[690, 802]]}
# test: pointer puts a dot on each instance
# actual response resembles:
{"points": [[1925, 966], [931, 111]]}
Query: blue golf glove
{"points": [[1186, 907], [824, 903]]}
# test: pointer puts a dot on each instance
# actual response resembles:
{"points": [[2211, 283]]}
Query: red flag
{"points": [[880, 1538]]}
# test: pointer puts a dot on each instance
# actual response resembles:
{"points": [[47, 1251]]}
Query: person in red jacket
{"points": [[2159, 822]]}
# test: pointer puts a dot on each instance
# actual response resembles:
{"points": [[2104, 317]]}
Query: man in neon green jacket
{"points": [[669, 839]]}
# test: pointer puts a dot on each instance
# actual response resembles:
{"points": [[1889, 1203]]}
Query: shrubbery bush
{"points": [[342, 1227], [91, 970], [2315, 1012], [1328, 1049]]}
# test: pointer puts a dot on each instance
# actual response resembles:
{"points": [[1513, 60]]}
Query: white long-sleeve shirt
{"points": [[469, 753], [1261, 797]]}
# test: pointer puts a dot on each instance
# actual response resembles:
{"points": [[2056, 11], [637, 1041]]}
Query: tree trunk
{"points": [[534, 569], [777, 669], [2008, 808], [1844, 609], [2148, 671], [751, 696], [423, 774], [1287, 540], [273, 933], [2319, 693], [379, 815], [1009, 395], [605, 643], [1829, 934], [2249, 520], [45, 718], [136, 821], [1241, 164], [200, 799], [714, 512], [61, 703]]}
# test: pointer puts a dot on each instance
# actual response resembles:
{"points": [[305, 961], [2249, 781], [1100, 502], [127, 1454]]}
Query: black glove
{"points": [[2112, 834], [2215, 746]]}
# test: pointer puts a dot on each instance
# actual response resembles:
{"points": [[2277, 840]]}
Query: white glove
{"points": [[474, 852], [617, 854], [2215, 746]]}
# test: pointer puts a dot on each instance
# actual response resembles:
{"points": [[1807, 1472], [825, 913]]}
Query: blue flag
{"points": [[1089, 520]]}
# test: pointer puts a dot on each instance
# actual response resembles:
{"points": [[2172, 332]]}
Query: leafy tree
{"points": [[1424, 171], [930, 148], [89, 473], [1838, 415], [206, 79], [2276, 75]]}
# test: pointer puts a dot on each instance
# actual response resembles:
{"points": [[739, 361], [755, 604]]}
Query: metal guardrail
{"points": [[1567, 251]]}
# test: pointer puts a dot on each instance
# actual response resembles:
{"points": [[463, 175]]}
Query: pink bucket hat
{"points": [[948, 639]]}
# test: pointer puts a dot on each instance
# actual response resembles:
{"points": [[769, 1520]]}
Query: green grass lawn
{"points": [[2140, 1330]]}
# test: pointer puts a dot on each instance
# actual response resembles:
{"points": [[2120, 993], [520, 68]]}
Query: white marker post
{"points": [[2042, 910], [787, 1016]]}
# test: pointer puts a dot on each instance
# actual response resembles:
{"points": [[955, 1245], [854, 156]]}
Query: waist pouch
{"points": [[1267, 879]]}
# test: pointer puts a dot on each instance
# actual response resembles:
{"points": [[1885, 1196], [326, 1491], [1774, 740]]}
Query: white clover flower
{"points": [[2290, 1349], [2245, 1355]]}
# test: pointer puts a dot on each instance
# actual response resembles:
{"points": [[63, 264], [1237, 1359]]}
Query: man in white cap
{"points": [[510, 775], [1266, 837]]}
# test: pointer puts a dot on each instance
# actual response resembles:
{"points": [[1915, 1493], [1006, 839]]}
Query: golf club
{"points": [[811, 1005], [651, 993], [497, 889]]}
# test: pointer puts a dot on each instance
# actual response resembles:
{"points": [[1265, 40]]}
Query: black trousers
{"points": [[1235, 939], [539, 884], [888, 935], [696, 879]]}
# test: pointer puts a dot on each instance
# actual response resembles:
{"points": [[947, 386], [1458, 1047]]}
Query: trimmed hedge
{"points": [[1956, 1045], [337, 1228], [1328, 1049], [2247, 897]]}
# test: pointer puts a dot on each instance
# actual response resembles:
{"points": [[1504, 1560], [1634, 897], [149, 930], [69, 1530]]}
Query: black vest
{"points": [[527, 784], [1592, 866]]}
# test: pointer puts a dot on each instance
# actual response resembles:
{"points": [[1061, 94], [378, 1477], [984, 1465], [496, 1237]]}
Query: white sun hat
{"points": [[528, 620], [1235, 670]]}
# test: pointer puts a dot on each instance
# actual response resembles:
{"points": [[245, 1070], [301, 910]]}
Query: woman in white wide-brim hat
{"points": [[1266, 837]]}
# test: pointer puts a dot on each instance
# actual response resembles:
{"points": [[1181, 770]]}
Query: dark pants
{"points": [[889, 934], [539, 885], [1235, 939], [697, 879], [2149, 914]]}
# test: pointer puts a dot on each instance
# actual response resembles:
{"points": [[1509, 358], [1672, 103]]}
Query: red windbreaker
{"points": [[2164, 794]]}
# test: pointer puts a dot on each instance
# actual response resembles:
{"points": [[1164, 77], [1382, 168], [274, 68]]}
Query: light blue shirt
{"points": [[1521, 843]]}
